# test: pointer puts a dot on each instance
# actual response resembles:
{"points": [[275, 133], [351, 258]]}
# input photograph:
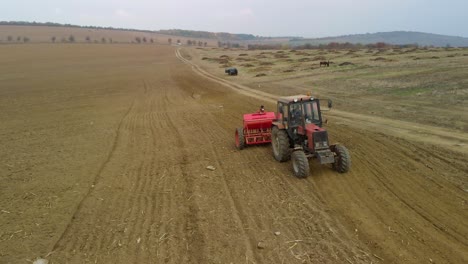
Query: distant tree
{"points": [[189, 42], [178, 41], [25, 39], [380, 45], [71, 38], [220, 44], [144, 39], [10, 38], [18, 39], [103, 40], [205, 44], [169, 40], [88, 39], [138, 40], [152, 40], [333, 45]]}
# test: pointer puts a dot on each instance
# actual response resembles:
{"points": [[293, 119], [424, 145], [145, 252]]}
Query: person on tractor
{"points": [[295, 114], [261, 110]]}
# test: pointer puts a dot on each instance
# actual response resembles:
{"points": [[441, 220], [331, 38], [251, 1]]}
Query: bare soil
{"points": [[104, 155]]}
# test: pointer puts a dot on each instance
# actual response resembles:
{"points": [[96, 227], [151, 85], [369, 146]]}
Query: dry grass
{"points": [[397, 83]]}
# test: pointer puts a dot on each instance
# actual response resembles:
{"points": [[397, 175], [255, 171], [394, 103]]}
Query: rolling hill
{"points": [[394, 37], [12, 31]]}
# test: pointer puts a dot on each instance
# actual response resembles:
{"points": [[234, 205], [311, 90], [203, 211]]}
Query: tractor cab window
{"points": [[283, 112], [311, 112], [295, 113]]}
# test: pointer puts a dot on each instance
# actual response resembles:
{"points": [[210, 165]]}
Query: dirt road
{"points": [[145, 196]]}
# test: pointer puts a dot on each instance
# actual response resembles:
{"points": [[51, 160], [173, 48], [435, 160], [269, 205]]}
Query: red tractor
{"points": [[256, 129], [297, 134]]}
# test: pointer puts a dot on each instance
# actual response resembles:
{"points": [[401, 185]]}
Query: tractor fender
{"points": [[278, 124]]}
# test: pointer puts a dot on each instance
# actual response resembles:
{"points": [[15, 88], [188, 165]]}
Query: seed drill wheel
{"points": [[342, 159], [240, 140], [300, 164], [280, 144]]}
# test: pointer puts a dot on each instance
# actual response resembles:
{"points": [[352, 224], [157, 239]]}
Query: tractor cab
{"points": [[298, 111], [301, 117]]}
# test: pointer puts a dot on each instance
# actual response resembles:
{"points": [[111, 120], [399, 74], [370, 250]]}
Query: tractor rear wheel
{"points": [[342, 159], [300, 164], [240, 140], [280, 144]]}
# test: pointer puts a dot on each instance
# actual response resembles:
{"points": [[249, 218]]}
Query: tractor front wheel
{"points": [[342, 159], [300, 164], [240, 140], [280, 144]]}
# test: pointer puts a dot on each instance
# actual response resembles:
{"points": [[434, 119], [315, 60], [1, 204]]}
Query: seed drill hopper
{"points": [[256, 129]]}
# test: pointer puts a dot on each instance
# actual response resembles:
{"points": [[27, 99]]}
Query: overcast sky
{"points": [[307, 18]]}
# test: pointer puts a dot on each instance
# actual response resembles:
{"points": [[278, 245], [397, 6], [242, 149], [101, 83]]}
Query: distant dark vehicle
{"points": [[231, 71], [325, 63]]}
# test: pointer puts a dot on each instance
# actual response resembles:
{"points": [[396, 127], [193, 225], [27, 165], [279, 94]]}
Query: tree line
{"points": [[173, 32], [18, 39], [189, 42], [331, 45]]}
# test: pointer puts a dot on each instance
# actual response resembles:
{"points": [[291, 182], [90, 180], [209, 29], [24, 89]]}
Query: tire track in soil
{"points": [[254, 181], [392, 211], [155, 201], [237, 208], [186, 116], [98, 174], [118, 224], [301, 197], [195, 239], [303, 194], [404, 204], [88, 241]]}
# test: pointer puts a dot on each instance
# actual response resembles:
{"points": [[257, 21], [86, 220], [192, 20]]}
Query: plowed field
{"points": [[104, 155]]}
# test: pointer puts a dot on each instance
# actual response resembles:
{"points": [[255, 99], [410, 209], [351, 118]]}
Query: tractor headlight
{"points": [[322, 144]]}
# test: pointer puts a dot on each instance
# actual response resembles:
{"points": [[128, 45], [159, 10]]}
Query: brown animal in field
{"points": [[325, 63]]}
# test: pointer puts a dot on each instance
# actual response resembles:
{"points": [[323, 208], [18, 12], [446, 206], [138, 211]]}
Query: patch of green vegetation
{"points": [[410, 91]]}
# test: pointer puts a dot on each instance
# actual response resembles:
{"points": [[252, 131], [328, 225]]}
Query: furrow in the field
{"points": [[255, 174], [195, 238], [398, 188], [123, 197], [141, 190], [99, 238], [135, 207], [216, 137], [417, 180], [68, 240], [303, 214], [151, 198], [258, 222]]}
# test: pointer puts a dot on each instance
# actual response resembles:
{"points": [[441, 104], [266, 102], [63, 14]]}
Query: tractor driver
{"points": [[261, 110], [295, 114]]}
